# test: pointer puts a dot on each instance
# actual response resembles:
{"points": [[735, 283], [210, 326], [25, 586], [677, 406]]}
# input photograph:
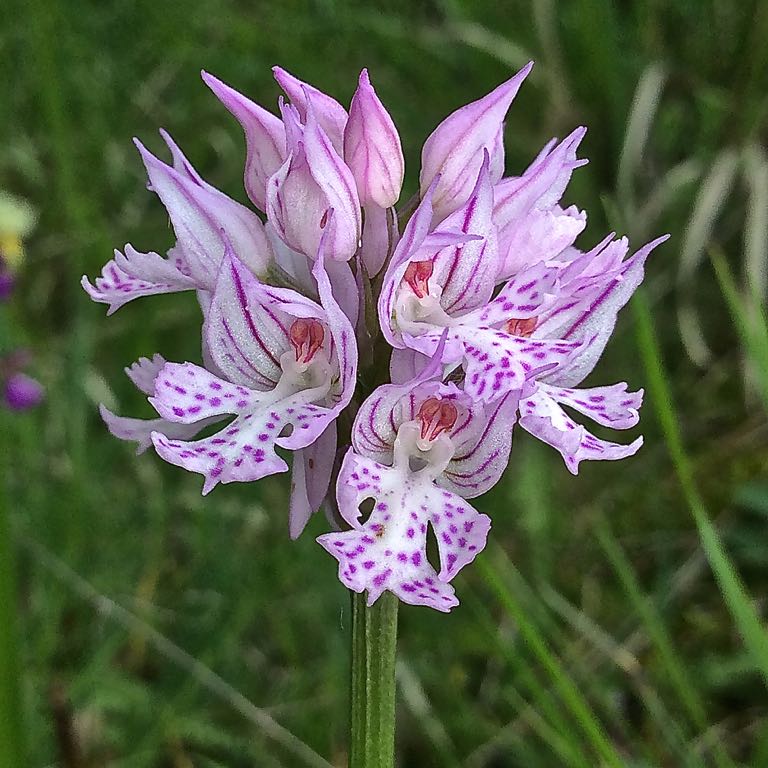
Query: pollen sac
{"points": [[306, 338], [524, 326], [417, 276], [436, 416]]}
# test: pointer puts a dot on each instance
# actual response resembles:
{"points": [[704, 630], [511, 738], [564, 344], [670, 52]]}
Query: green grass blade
{"points": [[752, 330], [735, 595], [547, 715], [679, 677], [571, 696]]}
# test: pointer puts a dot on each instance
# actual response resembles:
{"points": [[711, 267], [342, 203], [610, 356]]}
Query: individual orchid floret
{"points": [[264, 139], [330, 115], [143, 374], [287, 368], [313, 181], [532, 227], [594, 286], [202, 219], [428, 289], [418, 450], [372, 148], [454, 150]]}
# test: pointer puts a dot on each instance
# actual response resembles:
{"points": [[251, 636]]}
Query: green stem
{"points": [[374, 646], [12, 752]]}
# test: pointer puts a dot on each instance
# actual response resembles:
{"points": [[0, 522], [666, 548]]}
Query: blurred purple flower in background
{"points": [[488, 315], [20, 391]]}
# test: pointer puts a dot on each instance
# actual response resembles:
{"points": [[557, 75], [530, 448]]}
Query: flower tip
{"points": [[147, 157], [213, 82], [283, 77], [364, 79]]}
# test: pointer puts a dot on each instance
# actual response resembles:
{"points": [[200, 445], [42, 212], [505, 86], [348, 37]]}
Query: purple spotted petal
{"points": [[611, 406], [388, 552], [245, 449], [140, 431], [133, 274], [264, 138], [496, 362], [542, 416], [524, 296]]}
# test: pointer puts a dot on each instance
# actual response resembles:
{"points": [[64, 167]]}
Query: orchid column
{"points": [[389, 357]]}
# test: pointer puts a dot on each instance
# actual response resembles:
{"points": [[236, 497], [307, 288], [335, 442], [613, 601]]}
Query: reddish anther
{"points": [[417, 276], [436, 416], [306, 337], [521, 326]]}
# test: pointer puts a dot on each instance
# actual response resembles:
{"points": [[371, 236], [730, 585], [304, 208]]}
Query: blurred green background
{"points": [[617, 618]]}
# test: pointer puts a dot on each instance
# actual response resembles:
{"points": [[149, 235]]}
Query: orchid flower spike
{"points": [[476, 299]]}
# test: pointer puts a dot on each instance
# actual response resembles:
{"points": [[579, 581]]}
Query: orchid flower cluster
{"points": [[389, 352]]}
